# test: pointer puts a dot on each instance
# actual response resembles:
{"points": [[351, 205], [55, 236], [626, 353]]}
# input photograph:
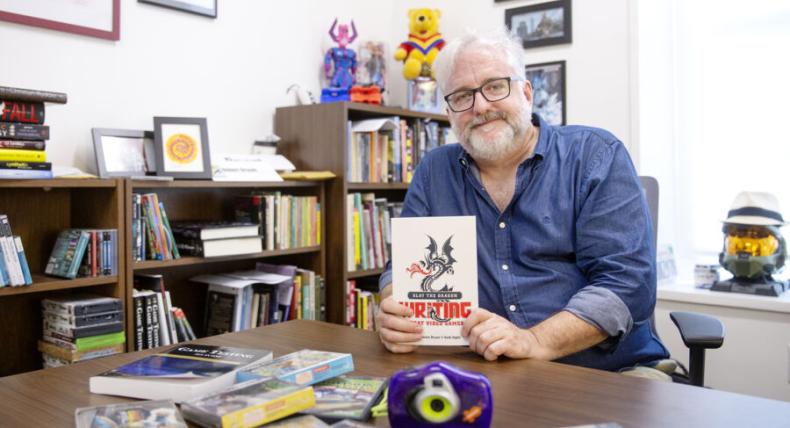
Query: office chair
{"points": [[698, 331]]}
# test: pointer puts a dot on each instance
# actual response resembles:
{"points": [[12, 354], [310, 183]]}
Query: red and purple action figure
{"points": [[344, 59]]}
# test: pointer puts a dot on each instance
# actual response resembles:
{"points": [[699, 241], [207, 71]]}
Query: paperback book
{"points": [[138, 414], [249, 404], [434, 272], [305, 367], [182, 373], [347, 397]]}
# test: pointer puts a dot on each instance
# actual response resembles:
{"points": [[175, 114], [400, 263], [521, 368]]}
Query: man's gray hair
{"points": [[499, 41]]}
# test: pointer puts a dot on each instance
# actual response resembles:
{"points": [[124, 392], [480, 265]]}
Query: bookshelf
{"points": [[201, 200], [314, 137], [38, 210]]}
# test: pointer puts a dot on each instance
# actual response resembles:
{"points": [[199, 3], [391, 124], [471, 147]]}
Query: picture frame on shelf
{"points": [[548, 91], [98, 18], [198, 7], [542, 24], [123, 152], [181, 147]]}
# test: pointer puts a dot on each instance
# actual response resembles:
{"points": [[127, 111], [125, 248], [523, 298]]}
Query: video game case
{"points": [[249, 404], [83, 320], [86, 343], [71, 355], [81, 332], [81, 305], [23, 131], [141, 414], [305, 367]]}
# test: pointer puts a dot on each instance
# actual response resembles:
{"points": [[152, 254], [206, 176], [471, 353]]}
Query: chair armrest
{"points": [[698, 330]]}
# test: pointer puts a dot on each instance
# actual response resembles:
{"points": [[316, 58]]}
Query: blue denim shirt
{"points": [[577, 237]]}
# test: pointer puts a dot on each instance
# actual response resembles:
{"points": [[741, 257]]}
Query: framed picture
{"points": [[200, 7], [548, 90], [542, 24], [423, 95], [95, 18], [181, 147], [123, 152]]}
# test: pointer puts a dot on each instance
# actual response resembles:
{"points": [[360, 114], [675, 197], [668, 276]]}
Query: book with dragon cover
{"points": [[434, 272]]}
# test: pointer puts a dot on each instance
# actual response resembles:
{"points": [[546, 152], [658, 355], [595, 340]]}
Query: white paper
{"points": [[434, 272], [278, 162], [260, 277], [374, 125], [243, 168]]}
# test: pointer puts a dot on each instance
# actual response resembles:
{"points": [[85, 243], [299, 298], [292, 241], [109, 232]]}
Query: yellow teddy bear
{"points": [[423, 45]]}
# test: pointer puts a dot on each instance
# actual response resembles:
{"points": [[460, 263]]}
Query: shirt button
{"points": [[512, 308], [502, 225], [505, 267]]}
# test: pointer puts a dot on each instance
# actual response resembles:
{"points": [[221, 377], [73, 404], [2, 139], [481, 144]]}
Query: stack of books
{"points": [[156, 321], [216, 239], [14, 270], [23, 134], [79, 328], [84, 253]]}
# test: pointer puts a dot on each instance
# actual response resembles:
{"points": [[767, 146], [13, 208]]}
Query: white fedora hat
{"points": [[755, 208]]}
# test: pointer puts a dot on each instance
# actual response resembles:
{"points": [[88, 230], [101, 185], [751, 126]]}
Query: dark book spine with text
{"points": [[21, 111], [33, 166], [23, 145], [21, 94], [23, 131]]}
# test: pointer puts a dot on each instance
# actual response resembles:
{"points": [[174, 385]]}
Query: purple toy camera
{"points": [[439, 394]]}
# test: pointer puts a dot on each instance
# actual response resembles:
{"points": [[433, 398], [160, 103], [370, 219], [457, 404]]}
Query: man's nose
{"points": [[481, 103]]}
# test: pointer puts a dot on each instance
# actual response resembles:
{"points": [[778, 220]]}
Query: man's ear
{"points": [[528, 91]]}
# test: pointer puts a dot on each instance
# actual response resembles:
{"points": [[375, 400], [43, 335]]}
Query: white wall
{"points": [[235, 69]]}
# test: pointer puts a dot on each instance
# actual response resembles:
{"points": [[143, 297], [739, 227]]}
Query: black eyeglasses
{"points": [[493, 90]]}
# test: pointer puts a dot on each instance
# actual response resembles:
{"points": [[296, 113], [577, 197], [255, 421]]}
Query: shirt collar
{"points": [[541, 147]]}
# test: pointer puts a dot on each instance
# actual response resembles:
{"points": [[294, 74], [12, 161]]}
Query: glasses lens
{"points": [[755, 242], [461, 100], [496, 90]]}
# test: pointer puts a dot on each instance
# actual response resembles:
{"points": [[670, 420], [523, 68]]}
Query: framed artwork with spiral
{"points": [[181, 146]]}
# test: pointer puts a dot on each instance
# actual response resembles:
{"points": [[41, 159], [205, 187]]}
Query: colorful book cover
{"points": [[139, 414], [305, 367], [249, 404], [434, 272], [21, 155], [347, 397]]}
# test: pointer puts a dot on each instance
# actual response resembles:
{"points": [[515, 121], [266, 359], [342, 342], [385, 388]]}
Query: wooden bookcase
{"points": [[314, 137], [38, 210], [210, 201]]}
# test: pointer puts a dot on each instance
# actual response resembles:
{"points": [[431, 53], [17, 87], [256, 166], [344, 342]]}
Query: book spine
{"points": [[9, 252], [22, 112], [139, 328], [169, 313], [151, 330], [32, 166], [4, 278], [20, 252], [32, 95], [14, 155], [22, 145], [23, 131], [169, 231], [79, 253], [21, 174]]}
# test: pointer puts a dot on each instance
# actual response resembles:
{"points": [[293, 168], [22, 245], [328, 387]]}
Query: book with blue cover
{"points": [[305, 367], [181, 373]]}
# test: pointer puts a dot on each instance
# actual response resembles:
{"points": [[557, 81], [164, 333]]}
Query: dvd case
{"points": [[83, 304], [347, 397], [138, 414], [249, 404], [305, 367]]}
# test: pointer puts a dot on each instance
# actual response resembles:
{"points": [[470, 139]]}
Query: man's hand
{"points": [[395, 330], [492, 336]]}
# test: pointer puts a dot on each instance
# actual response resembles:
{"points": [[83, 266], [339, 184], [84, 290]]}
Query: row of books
{"points": [[387, 150], [152, 237], [368, 232], [14, 270], [156, 321], [285, 221], [223, 387], [361, 306], [84, 253], [23, 134], [80, 327], [267, 295]]}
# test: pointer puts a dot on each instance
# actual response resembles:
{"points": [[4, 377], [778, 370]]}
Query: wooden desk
{"points": [[526, 393]]}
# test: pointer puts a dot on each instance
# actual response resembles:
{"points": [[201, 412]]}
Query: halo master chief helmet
{"points": [[754, 248]]}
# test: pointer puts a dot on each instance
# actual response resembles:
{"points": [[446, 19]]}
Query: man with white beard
{"points": [[565, 255]]}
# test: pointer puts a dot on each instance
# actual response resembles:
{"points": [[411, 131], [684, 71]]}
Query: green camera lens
{"points": [[436, 409], [436, 402]]}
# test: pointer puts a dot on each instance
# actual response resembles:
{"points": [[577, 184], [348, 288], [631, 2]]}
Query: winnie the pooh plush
{"points": [[423, 45]]}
